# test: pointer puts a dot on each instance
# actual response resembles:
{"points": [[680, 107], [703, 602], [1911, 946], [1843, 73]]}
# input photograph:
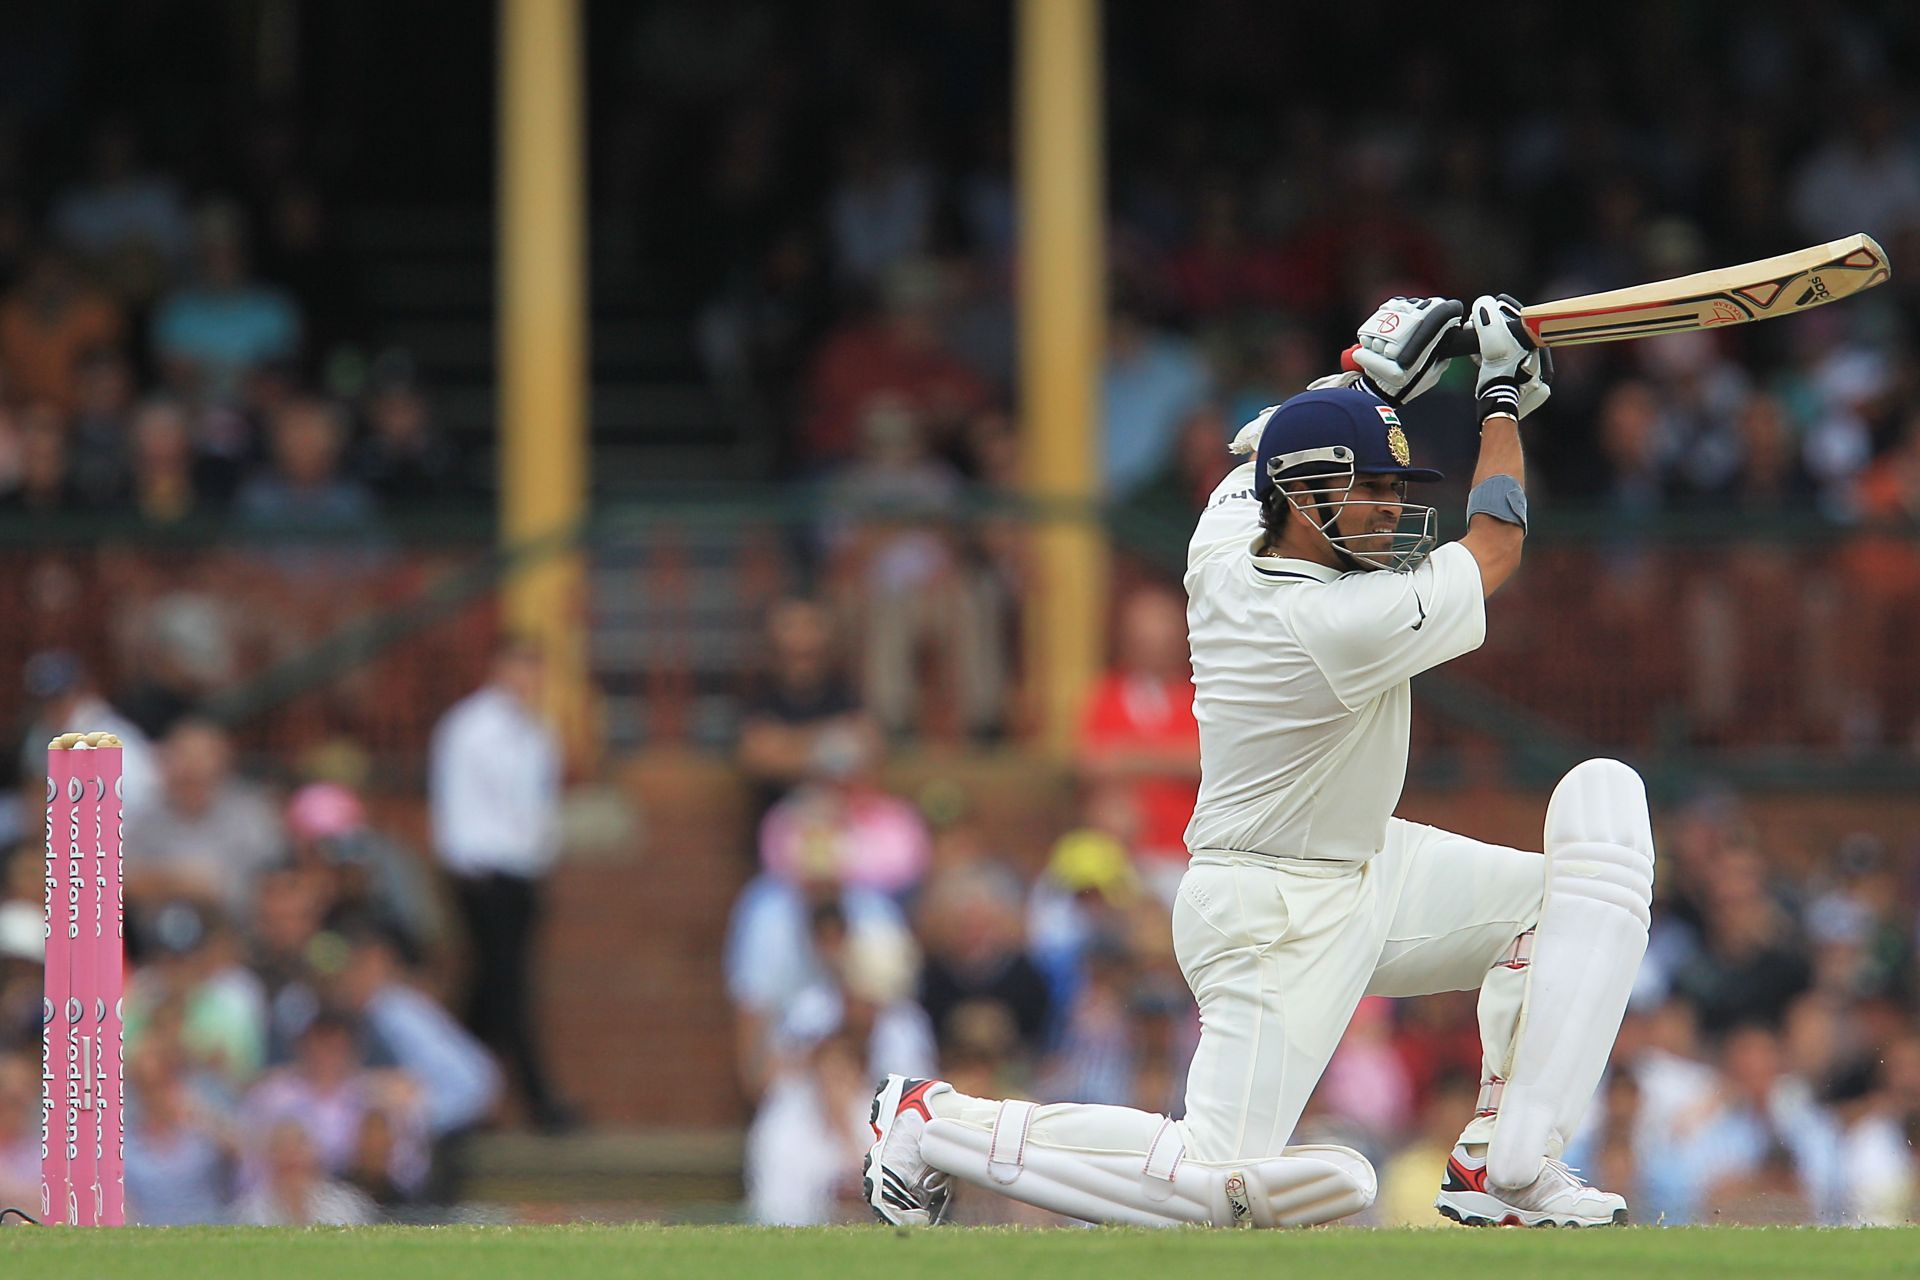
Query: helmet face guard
{"points": [[1324, 488]]}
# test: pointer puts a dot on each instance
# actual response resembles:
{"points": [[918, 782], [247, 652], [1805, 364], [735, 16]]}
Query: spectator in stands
{"points": [[803, 705], [305, 488], [168, 481], [403, 459], [1085, 897], [898, 357], [180, 1160], [193, 971], [67, 700], [1138, 734], [495, 790], [881, 211], [20, 1118], [1095, 1057], [22, 955], [327, 1092], [808, 1138], [103, 409], [183, 651], [1854, 1159], [907, 569], [1752, 964], [295, 1191], [868, 996], [785, 936], [207, 834], [1193, 469], [367, 877], [1153, 379], [1367, 1083], [1863, 177], [45, 485], [49, 326], [126, 220], [844, 819], [968, 919], [210, 334], [454, 1083]]}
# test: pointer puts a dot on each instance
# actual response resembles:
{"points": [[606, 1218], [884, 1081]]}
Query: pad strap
{"points": [[1163, 1160], [1007, 1152]]}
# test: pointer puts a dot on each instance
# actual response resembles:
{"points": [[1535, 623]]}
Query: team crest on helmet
{"points": [[1396, 438]]}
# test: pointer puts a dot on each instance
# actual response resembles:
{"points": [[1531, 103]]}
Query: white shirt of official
{"points": [[1301, 687], [495, 787]]}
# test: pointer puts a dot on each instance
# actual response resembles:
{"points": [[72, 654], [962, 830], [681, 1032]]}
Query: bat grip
{"points": [[1461, 341]]}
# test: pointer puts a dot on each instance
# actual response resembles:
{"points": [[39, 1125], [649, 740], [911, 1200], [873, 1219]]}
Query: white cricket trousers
{"points": [[1279, 953]]}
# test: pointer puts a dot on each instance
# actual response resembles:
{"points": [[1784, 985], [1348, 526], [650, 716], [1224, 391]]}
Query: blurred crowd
{"points": [[1768, 1071], [171, 356], [855, 260], [291, 1053]]}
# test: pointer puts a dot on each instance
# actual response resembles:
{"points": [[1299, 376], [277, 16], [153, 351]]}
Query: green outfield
{"points": [[744, 1253]]}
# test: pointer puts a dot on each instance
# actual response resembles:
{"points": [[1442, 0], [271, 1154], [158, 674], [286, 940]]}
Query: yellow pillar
{"points": [[1062, 321], [542, 339]]}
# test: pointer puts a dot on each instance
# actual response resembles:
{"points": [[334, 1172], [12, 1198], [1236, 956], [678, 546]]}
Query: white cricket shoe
{"points": [[900, 1186], [1557, 1198]]}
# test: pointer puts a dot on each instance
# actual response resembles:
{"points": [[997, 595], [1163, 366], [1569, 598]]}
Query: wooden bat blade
{"points": [[1759, 290]]}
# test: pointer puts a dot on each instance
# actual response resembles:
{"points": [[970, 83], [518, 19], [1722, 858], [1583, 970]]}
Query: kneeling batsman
{"points": [[1314, 594]]}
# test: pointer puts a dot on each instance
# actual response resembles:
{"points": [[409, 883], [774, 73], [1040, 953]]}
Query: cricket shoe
{"points": [[1557, 1198], [902, 1188]]}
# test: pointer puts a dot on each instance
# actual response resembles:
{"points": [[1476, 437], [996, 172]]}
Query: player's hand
{"points": [[1514, 379], [1399, 351]]}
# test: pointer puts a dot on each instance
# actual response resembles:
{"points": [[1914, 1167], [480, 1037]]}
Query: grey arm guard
{"points": [[1500, 497]]}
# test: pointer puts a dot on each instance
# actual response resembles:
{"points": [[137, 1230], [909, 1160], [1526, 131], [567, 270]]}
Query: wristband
{"points": [[1500, 497]]}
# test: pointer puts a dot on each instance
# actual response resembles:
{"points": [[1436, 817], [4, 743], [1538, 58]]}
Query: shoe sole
{"points": [[1518, 1218]]}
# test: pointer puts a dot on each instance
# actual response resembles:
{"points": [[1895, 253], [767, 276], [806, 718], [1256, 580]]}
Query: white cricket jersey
{"points": [[1300, 675]]}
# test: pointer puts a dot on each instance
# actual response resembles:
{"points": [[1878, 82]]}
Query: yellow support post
{"points": [[1062, 336], [542, 339]]}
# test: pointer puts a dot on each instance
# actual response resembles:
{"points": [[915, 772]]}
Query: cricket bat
{"points": [[1759, 290]]}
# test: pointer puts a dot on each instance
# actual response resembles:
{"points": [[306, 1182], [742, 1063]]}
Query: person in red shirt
{"points": [[1138, 730], [898, 356]]}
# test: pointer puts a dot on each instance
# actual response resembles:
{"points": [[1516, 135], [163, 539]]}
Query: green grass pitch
{"points": [[837, 1253]]}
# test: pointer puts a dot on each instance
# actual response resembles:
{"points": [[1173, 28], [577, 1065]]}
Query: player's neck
{"points": [[1294, 545]]}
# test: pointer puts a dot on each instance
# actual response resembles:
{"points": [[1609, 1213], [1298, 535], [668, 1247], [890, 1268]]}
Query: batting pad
{"points": [[1586, 951], [1155, 1188]]}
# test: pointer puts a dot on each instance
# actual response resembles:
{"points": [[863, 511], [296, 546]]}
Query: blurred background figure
{"points": [[495, 791], [295, 1190], [1138, 737], [207, 834]]}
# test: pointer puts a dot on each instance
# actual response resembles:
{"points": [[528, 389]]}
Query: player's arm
{"points": [[1513, 381]]}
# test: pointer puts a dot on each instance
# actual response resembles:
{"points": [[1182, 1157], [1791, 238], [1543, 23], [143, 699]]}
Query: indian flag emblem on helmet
{"points": [[1396, 438]]}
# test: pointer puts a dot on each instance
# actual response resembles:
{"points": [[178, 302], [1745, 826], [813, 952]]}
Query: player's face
{"points": [[1372, 514]]}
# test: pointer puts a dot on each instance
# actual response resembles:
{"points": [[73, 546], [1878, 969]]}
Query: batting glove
{"points": [[1399, 351], [1514, 378]]}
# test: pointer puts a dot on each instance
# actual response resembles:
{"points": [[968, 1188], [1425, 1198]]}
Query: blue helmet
{"points": [[1305, 436]]}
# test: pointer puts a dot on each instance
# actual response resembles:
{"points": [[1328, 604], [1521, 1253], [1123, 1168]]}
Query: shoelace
{"points": [[1566, 1173]]}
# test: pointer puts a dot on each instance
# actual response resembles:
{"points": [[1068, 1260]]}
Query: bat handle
{"points": [[1461, 341]]}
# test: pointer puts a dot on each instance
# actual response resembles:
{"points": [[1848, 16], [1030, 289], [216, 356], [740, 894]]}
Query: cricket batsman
{"points": [[1314, 593]]}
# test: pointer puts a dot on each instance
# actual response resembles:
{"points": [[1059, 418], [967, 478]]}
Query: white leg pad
{"points": [[1157, 1188], [1586, 950]]}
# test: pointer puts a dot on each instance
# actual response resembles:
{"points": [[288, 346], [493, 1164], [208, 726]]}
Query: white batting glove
{"points": [[1399, 349], [1514, 379]]}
